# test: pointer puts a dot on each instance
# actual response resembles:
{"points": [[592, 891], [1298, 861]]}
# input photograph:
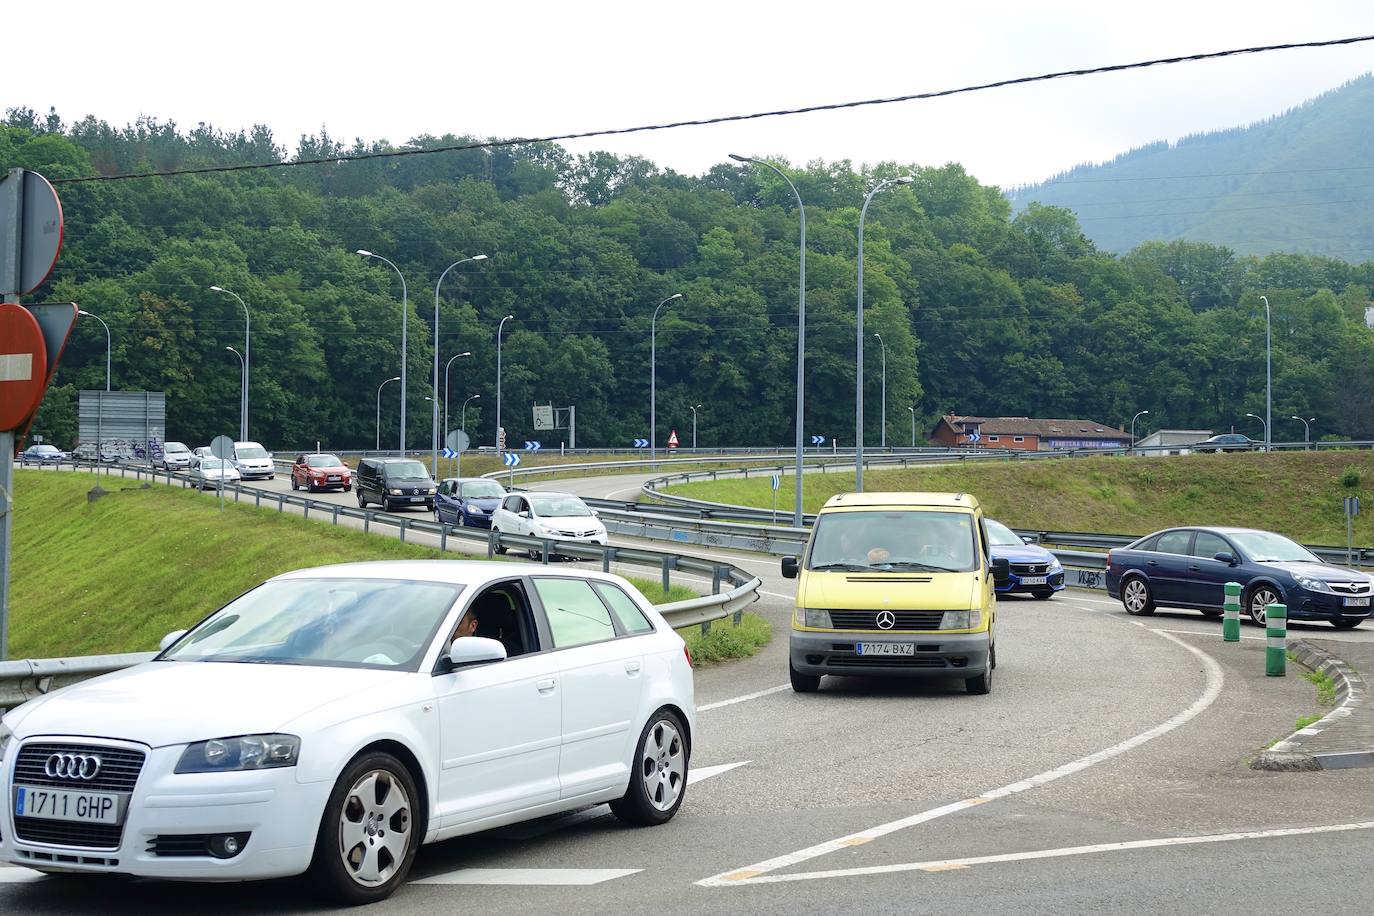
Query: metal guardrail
{"points": [[732, 589]]}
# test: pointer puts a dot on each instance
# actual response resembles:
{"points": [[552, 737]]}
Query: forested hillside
{"points": [[981, 312], [1298, 182]]}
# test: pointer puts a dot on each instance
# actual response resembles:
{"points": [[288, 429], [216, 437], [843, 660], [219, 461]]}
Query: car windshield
{"points": [[340, 623], [44, 449], [212, 464], [1268, 547], [250, 451], [559, 506], [999, 535], [482, 489], [174, 448], [894, 539], [406, 469], [322, 461]]}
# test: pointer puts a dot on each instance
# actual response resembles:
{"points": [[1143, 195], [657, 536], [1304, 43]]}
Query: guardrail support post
{"points": [[492, 535], [281, 502], [1230, 624], [607, 558], [669, 564], [305, 509], [334, 515], [367, 522], [1276, 646], [403, 524], [443, 538], [717, 574], [545, 551]]}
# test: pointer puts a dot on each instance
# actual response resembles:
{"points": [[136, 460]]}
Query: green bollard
{"points": [[1230, 609], [1276, 649]]}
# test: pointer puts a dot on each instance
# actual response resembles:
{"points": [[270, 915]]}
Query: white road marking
{"points": [[743, 699], [530, 877], [19, 875], [776, 595], [1215, 680], [696, 775], [1196, 632], [941, 865]]}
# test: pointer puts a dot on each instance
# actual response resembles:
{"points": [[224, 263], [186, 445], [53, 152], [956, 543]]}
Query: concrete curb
{"points": [[1289, 754]]}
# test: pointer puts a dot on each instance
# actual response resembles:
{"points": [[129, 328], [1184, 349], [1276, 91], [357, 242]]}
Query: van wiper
{"points": [[847, 566], [912, 564]]}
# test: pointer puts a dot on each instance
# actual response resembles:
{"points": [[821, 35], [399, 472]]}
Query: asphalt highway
{"points": [[1106, 773]]}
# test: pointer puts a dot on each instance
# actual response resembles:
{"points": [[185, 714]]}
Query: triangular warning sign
{"points": [[672, 439]]}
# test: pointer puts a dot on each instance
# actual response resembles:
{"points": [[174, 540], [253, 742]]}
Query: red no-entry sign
{"points": [[23, 366]]}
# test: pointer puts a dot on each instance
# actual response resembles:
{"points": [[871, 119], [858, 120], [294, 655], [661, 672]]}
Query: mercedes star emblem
{"points": [[886, 620]]}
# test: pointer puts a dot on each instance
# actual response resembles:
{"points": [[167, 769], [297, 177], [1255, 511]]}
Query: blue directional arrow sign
{"points": [[975, 437], [512, 460], [448, 452], [641, 443], [531, 446], [818, 440]]}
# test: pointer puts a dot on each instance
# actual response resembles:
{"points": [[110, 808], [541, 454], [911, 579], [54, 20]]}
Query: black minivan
{"points": [[393, 483]]}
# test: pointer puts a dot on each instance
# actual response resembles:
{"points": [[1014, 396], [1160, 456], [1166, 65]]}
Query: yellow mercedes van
{"points": [[896, 584]]}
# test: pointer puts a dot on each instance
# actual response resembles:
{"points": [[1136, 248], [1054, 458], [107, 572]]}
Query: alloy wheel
{"points": [[1260, 599], [374, 828], [663, 765]]}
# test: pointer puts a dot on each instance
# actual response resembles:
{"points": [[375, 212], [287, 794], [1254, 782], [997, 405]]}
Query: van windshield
{"points": [[250, 451], [910, 539], [406, 469]]}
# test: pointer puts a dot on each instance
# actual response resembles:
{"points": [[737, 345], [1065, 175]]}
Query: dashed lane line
{"points": [[530, 877], [1212, 690], [745, 698], [944, 865]]}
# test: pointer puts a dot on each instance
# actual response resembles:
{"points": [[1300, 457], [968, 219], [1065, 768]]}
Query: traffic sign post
{"points": [[1352, 509], [641, 443], [222, 447], [818, 440], [777, 482], [512, 461]]}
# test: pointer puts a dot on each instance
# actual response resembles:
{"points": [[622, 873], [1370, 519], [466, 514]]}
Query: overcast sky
{"points": [[397, 70]]}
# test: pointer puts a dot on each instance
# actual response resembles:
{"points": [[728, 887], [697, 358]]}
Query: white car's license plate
{"points": [[884, 648], [1033, 580], [66, 805], [1357, 602]]}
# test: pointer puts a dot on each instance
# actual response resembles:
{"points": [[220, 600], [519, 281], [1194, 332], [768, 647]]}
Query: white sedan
{"points": [[552, 516], [331, 720]]}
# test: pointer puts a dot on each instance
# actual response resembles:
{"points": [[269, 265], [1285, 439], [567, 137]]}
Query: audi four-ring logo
{"points": [[72, 766], [886, 620]]}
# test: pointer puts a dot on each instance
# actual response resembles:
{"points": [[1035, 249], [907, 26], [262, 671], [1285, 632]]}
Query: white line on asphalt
{"points": [[1210, 692], [19, 875], [742, 699], [530, 877], [697, 775], [776, 595], [1194, 632], [941, 865]]}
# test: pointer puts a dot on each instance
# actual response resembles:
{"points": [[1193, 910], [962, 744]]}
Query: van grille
{"points": [[868, 620]]}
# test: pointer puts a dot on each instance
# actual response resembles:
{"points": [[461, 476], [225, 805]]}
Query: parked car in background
{"points": [[43, 454], [200, 452], [1227, 442], [1034, 570], [320, 471], [176, 456], [555, 516], [1189, 567], [467, 501], [393, 483], [212, 473], [252, 460], [329, 721]]}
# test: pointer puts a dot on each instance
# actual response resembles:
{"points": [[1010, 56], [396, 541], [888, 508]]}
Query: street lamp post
{"points": [[884, 402], [912, 411], [1306, 430], [379, 410], [801, 332], [498, 381], [405, 312], [107, 342], [695, 408], [1268, 375], [247, 361], [100, 410], [859, 348], [653, 377], [1266, 426], [1138, 415], [446, 365], [243, 382], [458, 466], [434, 436]]}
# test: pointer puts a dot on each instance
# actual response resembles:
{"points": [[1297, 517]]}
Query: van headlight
{"points": [[395, 492], [961, 620], [812, 617], [245, 752]]}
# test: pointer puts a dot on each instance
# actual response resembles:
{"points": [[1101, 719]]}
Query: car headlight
{"points": [[1054, 565], [245, 752], [6, 736], [813, 617], [961, 620], [395, 492], [1314, 585]]}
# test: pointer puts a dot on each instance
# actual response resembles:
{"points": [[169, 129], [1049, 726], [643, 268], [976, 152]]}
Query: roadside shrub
{"points": [[1351, 478]]}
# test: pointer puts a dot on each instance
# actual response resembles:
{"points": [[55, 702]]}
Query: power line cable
{"points": [[725, 119]]}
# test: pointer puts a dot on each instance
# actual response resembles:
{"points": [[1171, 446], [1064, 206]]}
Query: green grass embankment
{"points": [[117, 574], [1297, 493]]}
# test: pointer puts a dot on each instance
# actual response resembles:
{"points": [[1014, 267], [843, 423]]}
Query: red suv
{"points": [[320, 472]]}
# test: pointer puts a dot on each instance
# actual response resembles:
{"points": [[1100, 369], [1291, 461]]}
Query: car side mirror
{"points": [[524, 513], [269, 454], [466, 651], [1027, 539], [170, 639], [1001, 570], [1225, 556], [789, 567]]}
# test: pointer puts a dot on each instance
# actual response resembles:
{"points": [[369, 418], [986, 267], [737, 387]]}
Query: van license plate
{"points": [[885, 648], [1357, 602], [417, 499]]}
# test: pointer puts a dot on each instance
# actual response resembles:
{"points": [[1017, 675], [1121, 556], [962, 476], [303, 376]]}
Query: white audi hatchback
{"points": [[332, 720]]}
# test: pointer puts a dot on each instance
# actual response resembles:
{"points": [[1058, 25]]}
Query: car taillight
{"points": [[1109, 559], [687, 652]]}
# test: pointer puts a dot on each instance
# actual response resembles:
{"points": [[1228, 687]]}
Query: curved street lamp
{"points": [[694, 408], [801, 331], [912, 410], [1266, 427], [653, 377], [1268, 375], [859, 349], [884, 417], [243, 383], [107, 342], [1306, 429], [379, 411], [434, 432], [1138, 415], [498, 381], [446, 365], [405, 311], [247, 361]]}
